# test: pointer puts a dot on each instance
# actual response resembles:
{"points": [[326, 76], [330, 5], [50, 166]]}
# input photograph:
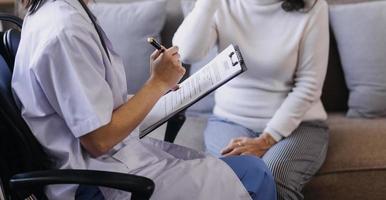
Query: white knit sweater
{"points": [[286, 55]]}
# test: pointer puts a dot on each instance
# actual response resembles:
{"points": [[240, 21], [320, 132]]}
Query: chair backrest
{"points": [[11, 40], [19, 149]]}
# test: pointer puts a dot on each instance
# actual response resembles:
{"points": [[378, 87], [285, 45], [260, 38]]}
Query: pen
{"points": [[155, 44]]}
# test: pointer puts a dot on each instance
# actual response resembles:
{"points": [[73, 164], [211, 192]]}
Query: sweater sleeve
{"points": [[197, 33], [309, 75]]}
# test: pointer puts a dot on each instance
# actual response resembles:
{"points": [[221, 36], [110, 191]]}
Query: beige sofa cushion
{"points": [[355, 168], [360, 185], [355, 144]]}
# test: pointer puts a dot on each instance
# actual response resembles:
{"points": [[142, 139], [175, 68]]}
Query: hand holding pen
{"points": [[166, 64]]}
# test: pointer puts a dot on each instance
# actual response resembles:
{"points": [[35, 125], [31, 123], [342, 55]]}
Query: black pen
{"points": [[155, 44]]}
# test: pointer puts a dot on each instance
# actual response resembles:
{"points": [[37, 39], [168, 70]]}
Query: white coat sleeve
{"points": [[309, 76], [71, 74], [197, 33]]}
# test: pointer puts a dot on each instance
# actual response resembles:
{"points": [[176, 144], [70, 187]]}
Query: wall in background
{"points": [[7, 6]]}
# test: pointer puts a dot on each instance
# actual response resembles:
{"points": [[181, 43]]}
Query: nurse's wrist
{"points": [[158, 85]]}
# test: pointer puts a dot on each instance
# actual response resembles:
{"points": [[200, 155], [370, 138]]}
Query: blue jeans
{"points": [[252, 172], [255, 176]]}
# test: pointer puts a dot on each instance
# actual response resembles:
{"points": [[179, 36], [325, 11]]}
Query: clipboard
{"points": [[229, 59]]}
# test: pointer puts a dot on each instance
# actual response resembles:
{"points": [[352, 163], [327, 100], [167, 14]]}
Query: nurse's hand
{"points": [[249, 146], [166, 68]]}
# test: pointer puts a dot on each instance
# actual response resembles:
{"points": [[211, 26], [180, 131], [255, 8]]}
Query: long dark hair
{"points": [[32, 5], [293, 5]]}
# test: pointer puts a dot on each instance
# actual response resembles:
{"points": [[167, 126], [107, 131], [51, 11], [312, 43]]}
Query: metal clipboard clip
{"points": [[231, 56]]}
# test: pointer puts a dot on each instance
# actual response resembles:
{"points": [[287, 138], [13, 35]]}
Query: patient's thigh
{"points": [[219, 132]]}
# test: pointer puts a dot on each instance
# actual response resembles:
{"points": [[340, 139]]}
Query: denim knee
{"points": [[259, 175], [255, 176], [255, 164]]}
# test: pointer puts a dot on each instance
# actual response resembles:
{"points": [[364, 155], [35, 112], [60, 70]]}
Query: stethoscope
{"points": [[98, 30]]}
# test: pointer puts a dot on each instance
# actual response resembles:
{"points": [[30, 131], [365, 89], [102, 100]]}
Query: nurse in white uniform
{"points": [[71, 88]]}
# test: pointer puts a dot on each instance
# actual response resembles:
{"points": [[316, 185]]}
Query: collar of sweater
{"points": [[263, 2]]}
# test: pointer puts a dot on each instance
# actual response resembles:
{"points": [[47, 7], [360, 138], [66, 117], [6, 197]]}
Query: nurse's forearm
{"points": [[124, 119]]}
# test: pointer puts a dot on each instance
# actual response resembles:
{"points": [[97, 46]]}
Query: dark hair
{"points": [[32, 5], [293, 5]]}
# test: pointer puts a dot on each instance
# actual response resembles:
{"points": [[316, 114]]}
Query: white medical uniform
{"points": [[67, 87]]}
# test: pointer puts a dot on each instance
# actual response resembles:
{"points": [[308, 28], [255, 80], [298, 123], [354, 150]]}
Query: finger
{"points": [[226, 150], [234, 152], [237, 151], [234, 141], [232, 144], [183, 70], [248, 153], [172, 50], [163, 49], [176, 56], [230, 148], [155, 55], [176, 61], [175, 88]]}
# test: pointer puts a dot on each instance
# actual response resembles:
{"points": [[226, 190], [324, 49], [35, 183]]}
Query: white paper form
{"points": [[227, 65]]}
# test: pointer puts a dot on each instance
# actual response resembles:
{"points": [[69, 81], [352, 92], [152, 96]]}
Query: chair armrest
{"points": [[139, 187], [173, 127], [10, 18]]}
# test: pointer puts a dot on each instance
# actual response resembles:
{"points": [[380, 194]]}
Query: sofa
{"points": [[355, 167]]}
